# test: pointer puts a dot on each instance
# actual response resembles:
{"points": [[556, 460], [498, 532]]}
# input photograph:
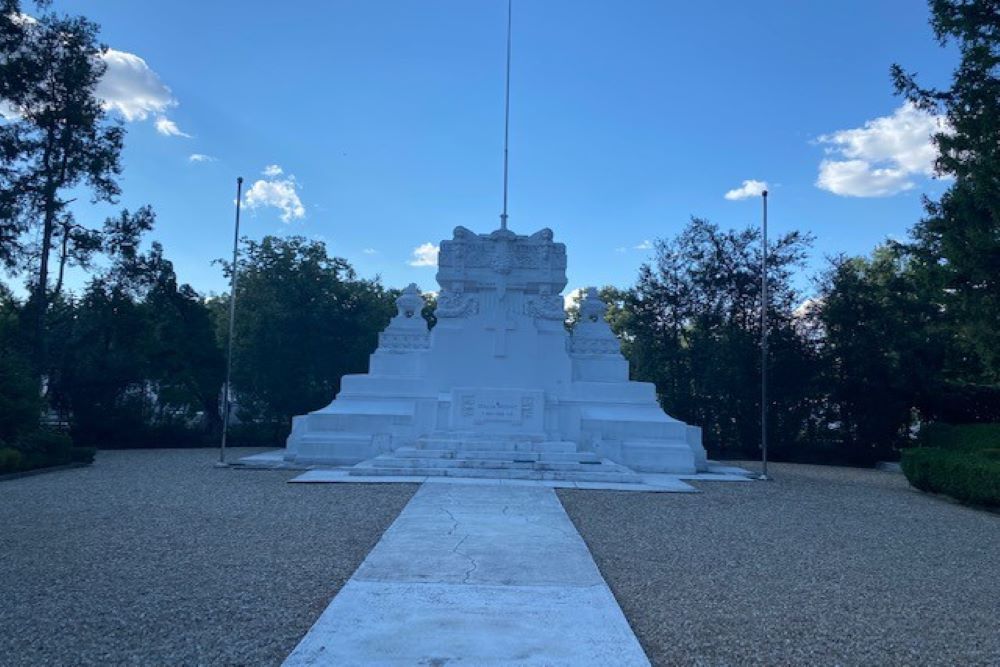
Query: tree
{"points": [[958, 241], [692, 326], [57, 137], [19, 400], [186, 363], [882, 336], [303, 320], [135, 361]]}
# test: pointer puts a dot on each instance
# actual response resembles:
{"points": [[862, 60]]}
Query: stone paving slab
{"points": [[375, 623], [479, 534], [653, 483], [475, 574]]}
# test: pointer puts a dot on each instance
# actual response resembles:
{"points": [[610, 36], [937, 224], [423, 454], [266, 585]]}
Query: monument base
{"points": [[498, 386], [636, 435]]}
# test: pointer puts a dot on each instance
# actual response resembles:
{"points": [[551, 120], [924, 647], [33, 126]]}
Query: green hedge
{"points": [[42, 448], [11, 460], [968, 437], [960, 461]]}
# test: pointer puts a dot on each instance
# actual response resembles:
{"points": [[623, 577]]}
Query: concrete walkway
{"points": [[475, 574]]}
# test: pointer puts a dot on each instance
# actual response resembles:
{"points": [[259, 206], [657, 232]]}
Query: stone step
{"points": [[472, 436], [550, 457], [390, 461], [503, 455], [552, 446], [502, 473], [416, 453]]}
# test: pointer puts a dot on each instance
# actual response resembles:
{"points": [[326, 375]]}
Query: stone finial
{"points": [[409, 303], [592, 335], [407, 330], [592, 309]]}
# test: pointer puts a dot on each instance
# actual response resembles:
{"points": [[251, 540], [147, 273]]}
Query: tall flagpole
{"points": [[232, 318], [506, 121], [763, 341]]}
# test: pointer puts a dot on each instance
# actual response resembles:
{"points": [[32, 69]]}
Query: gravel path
{"points": [[157, 558], [821, 566]]}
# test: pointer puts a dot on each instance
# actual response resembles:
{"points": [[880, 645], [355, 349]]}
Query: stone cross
{"points": [[500, 327]]}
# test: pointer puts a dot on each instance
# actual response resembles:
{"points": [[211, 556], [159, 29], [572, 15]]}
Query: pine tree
{"points": [[55, 137], [958, 241]]}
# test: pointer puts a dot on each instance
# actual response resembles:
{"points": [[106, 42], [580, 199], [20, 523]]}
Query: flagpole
{"points": [[506, 120], [763, 341], [226, 403]]}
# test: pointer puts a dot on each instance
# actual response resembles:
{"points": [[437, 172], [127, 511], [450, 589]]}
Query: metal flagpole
{"points": [[763, 341], [232, 319], [506, 122]]}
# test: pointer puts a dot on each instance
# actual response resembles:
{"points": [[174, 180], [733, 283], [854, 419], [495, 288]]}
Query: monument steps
{"points": [[496, 445], [501, 455], [501, 473], [508, 463], [398, 462]]}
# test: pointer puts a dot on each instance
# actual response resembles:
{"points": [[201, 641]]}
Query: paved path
{"points": [[477, 574]]}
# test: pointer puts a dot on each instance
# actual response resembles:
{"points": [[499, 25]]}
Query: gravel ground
{"points": [[830, 566], [157, 558]]}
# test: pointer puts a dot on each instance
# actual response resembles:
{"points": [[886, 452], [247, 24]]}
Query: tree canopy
{"points": [[304, 319], [56, 136]]}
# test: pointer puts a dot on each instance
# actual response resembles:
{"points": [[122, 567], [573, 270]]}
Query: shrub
{"points": [[965, 465], [82, 454], [258, 434], [45, 447], [960, 436], [20, 403], [11, 460]]}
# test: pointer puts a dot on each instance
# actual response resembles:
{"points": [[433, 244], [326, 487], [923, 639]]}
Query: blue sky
{"points": [[386, 120]]}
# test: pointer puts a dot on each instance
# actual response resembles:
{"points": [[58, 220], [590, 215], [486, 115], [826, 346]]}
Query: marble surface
{"points": [[481, 574], [498, 368], [653, 483]]}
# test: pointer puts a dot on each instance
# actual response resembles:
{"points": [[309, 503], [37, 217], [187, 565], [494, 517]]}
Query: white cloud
{"points": [[645, 245], [570, 298], [425, 254], [20, 18], [750, 188], [168, 127], [807, 307], [621, 249], [858, 178], [273, 171], [370, 251], [280, 193], [883, 157], [200, 157], [131, 88], [7, 111]]}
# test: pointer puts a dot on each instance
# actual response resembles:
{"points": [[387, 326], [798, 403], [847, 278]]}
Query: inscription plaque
{"points": [[510, 410]]}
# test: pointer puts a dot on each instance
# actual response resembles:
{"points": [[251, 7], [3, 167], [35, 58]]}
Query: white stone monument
{"points": [[498, 386]]}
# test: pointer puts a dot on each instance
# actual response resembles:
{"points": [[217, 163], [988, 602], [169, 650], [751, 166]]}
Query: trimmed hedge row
{"points": [[960, 436], [43, 448], [964, 464]]}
